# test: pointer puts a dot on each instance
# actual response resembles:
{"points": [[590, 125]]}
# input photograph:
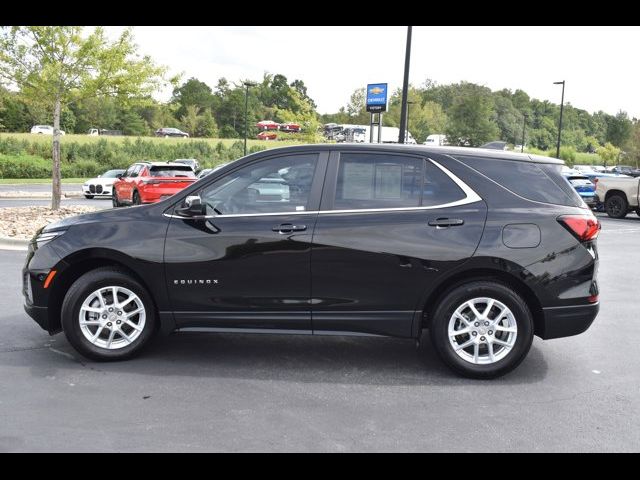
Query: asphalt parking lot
{"points": [[228, 392]]}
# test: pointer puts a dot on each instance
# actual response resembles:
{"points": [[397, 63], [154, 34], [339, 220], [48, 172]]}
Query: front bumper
{"points": [[39, 314], [561, 322], [97, 190]]}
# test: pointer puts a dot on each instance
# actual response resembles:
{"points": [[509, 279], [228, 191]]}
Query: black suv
{"points": [[483, 248]]}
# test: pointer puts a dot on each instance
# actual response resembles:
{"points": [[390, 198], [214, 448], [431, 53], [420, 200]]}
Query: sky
{"points": [[597, 63]]}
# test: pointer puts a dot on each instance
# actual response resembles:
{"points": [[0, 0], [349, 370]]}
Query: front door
{"points": [[389, 228], [248, 264]]}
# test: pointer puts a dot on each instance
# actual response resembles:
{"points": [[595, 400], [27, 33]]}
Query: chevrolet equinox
{"points": [[483, 248]]}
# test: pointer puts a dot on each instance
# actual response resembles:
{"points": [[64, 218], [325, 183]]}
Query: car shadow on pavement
{"points": [[298, 358]]}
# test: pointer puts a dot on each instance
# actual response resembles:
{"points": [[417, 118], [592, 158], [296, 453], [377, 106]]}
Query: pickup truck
{"points": [[619, 195]]}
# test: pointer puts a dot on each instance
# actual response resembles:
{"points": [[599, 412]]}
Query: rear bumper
{"points": [[567, 321]]}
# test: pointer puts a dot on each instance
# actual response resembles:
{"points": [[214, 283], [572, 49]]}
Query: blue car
{"points": [[585, 188]]}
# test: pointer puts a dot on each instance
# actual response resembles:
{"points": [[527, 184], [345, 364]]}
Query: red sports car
{"points": [[267, 125], [290, 127], [150, 182], [267, 136]]}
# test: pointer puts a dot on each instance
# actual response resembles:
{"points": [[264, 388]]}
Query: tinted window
{"points": [[172, 171], [136, 170], [279, 184], [378, 181], [391, 181], [541, 182], [130, 171]]}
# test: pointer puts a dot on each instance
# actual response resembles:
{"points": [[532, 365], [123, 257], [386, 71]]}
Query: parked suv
{"points": [[484, 248], [171, 132], [149, 182]]}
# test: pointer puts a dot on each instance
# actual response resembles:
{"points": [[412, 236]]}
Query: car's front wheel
{"points": [[107, 315], [482, 329], [136, 198], [616, 206], [114, 200]]}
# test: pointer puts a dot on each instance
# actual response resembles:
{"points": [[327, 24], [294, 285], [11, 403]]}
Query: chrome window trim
{"points": [[470, 197]]}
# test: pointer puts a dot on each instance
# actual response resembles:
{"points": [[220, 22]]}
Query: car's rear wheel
{"points": [[638, 211], [616, 206], [88, 197], [482, 329], [136, 198], [107, 315], [114, 200]]}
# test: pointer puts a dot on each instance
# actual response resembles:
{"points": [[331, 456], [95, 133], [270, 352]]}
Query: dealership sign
{"points": [[377, 97]]}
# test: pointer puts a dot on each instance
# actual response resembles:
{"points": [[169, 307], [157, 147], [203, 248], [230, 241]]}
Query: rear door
{"points": [[390, 225]]}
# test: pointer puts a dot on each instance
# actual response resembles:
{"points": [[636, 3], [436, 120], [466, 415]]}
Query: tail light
{"points": [[583, 227], [151, 182]]}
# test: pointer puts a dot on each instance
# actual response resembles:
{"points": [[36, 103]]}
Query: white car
{"points": [[102, 185], [44, 130]]}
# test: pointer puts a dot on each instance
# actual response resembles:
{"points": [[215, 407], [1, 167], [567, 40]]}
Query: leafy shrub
{"points": [[32, 158], [24, 166]]}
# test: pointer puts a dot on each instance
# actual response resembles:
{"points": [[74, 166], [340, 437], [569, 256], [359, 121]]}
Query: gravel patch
{"points": [[22, 222], [31, 194]]}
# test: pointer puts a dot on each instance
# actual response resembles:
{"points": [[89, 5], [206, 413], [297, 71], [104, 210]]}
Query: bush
{"points": [[32, 158], [24, 166]]}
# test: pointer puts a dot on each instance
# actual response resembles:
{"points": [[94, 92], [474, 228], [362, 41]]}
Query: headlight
{"points": [[46, 237]]}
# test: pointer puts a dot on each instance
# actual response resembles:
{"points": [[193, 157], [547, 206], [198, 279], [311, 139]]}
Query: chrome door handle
{"points": [[288, 228]]}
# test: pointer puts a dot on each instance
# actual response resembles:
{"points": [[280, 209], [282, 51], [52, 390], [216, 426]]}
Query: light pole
{"points": [[524, 124], [246, 106], [405, 87], [407, 133], [560, 123]]}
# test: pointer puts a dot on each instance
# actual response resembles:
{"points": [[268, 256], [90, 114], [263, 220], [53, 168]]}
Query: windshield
{"points": [[112, 173], [172, 171]]}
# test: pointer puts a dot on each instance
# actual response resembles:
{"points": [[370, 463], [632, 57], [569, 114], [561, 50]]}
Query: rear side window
{"points": [[173, 171], [534, 181], [372, 181]]}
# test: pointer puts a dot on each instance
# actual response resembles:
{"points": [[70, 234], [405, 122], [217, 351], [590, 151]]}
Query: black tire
{"points": [[136, 198], [89, 197], [114, 200], [638, 211], [616, 206], [452, 300], [84, 286]]}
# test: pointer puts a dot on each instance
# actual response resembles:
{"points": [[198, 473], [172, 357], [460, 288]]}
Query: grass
{"points": [[47, 181], [82, 139]]}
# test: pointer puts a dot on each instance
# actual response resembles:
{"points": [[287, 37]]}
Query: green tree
{"points": [[633, 144], [608, 153], [470, 116], [619, 129], [192, 93], [207, 126], [56, 65], [190, 119]]}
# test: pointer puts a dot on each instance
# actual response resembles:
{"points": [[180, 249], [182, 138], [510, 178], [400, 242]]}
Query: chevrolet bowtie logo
{"points": [[376, 90]]}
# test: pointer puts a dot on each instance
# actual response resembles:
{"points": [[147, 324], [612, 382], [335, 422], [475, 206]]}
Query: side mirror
{"points": [[192, 207], [119, 175]]}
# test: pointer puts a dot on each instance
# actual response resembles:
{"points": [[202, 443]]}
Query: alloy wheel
{"points": [[482, 331], [112, 317]]}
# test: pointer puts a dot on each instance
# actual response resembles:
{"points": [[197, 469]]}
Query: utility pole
{"points": [[560, 123], [405, 88]]}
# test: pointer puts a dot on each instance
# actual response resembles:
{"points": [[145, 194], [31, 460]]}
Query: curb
{"points": [[9, 243], [40, 197]]}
